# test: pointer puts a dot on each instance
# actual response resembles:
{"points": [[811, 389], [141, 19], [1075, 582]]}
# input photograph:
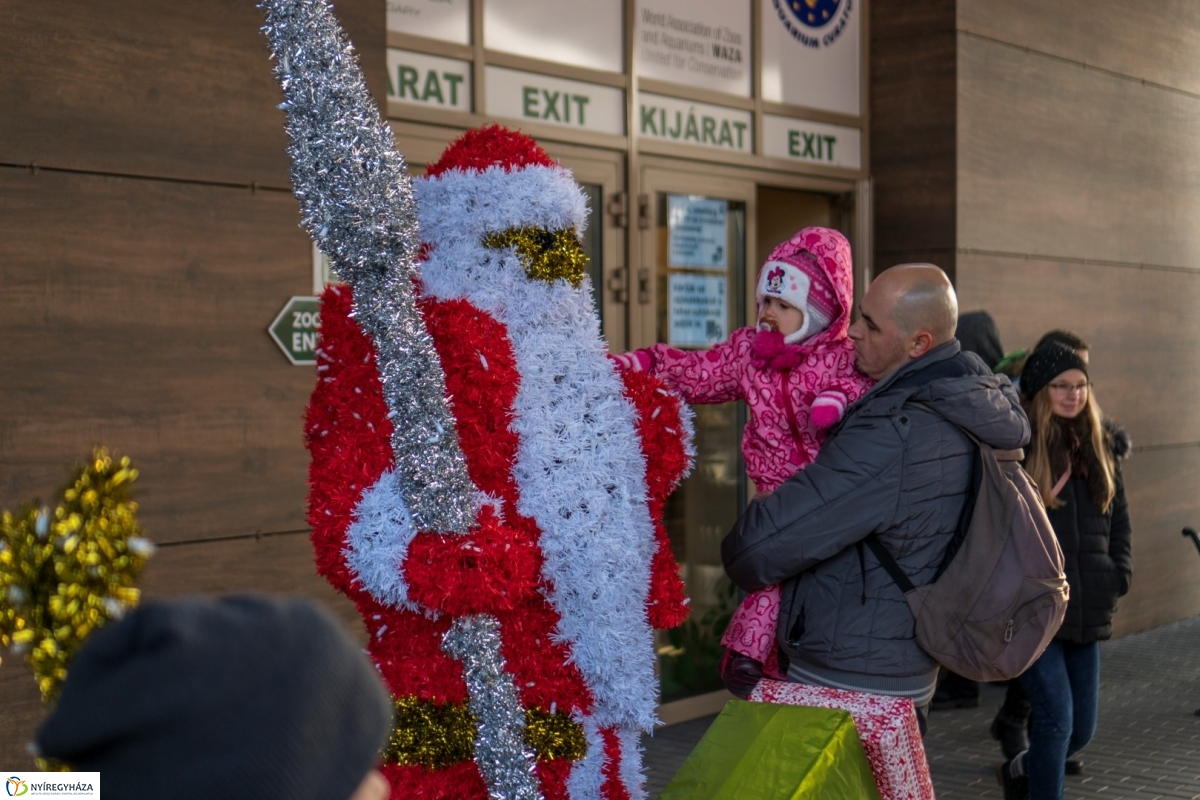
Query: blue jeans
{"points": [[1064, 695]]}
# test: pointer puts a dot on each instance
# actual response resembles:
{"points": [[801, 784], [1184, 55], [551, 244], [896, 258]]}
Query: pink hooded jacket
{"points": [[782, 384]]}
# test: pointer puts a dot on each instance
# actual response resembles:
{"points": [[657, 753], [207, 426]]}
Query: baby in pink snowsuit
{"points": [[795, 370]]}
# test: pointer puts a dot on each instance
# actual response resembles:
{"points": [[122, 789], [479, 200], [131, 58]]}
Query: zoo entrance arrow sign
{"points": [[295, 330]]}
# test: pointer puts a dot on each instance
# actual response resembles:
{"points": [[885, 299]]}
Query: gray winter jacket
{"points": [[891, 469]]}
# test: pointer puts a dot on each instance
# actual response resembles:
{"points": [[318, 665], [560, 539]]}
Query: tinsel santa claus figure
{"points": [[485, 487]]}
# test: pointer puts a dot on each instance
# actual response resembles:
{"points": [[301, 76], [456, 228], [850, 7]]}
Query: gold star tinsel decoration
{"points": [[66, 572]]}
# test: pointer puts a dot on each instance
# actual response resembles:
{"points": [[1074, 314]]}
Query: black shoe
{"points": [[1014, 788], [1074, 766], [1013, 739]]}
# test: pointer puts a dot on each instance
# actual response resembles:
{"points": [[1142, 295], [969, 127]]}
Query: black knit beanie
{"points": [[242, 697], [1047, 363]]}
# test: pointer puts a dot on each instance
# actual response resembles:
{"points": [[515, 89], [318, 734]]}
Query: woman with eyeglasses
{"points": [[1071, 459]]}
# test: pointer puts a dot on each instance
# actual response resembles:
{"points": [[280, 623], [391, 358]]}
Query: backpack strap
{"points": [[888, 563]]}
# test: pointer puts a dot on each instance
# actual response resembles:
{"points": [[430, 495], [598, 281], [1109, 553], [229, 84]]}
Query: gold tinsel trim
{"points": [[436, 736], [547, 255], [554, 735], [66, 572], [431, 735]]}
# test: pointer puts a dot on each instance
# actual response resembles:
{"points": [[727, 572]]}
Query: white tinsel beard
{"points": [[579, 467]]}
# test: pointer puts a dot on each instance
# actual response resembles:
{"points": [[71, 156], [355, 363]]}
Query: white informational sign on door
{"points": [[697, 232], [426, 80], [812, 142], [555, 101], [696, 309], [702, 43], [447, 20], [583, 33], [671, 120], [812, 53]]}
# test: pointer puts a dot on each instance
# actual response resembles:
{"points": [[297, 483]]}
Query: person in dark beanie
{"points": [[1010, 725], [240, 697], [1072, 462]]}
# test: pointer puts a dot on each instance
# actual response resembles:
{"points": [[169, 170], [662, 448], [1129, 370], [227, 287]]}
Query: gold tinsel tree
{"points": [[68, 570]]}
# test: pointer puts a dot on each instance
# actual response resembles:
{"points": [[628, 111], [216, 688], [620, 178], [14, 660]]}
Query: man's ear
{"points": [[920, 344]]}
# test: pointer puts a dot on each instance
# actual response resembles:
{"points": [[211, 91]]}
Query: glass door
{"points": [[696, 290]]}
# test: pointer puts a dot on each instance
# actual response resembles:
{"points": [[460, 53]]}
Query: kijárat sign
{"points": [[426, 80], [672, 120]]}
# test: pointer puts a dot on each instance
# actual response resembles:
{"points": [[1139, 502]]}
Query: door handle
{"points": [[643, 286], [643, 204]]}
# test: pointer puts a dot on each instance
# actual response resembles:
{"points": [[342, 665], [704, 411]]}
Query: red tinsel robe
{"points": [[496, 567]]}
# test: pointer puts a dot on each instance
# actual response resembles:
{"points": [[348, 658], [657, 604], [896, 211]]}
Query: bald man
{"points": [[900, 471]]}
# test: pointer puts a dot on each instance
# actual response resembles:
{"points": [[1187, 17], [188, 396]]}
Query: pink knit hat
{"points": [[799, 281]]}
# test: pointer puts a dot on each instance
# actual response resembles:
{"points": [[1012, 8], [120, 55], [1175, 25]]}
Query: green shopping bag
{"points": [[761, 751]]}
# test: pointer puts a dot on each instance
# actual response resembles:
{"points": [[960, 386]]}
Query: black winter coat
{"points": [[1097, 551]]}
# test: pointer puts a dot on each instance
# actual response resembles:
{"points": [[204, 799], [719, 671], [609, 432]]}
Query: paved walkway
{"points": [[1147, 745]]}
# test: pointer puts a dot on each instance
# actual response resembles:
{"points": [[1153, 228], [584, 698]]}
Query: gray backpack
{"points": [[1000, 595]]}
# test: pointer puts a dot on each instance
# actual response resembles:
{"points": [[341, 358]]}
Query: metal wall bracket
{"points": [[618, 209], [618, 284]]}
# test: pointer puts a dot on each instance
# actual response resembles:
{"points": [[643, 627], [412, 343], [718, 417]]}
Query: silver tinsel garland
{"points": [[356, 201], [503, 757]]}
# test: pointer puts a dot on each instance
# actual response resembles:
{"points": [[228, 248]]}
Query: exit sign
{"points": [[295, 330]]}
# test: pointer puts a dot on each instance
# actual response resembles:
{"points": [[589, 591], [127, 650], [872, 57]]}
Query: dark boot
{"points": [[1074, 766], [1015, 788], [1011, 735]]}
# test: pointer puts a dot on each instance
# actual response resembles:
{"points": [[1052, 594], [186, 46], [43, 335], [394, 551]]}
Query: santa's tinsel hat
{"points": [[493, 179]]}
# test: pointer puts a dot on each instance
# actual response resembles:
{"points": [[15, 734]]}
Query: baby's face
{"points": [[776, 315]]}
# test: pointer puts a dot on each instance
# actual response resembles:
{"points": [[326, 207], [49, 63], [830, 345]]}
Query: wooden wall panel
{"points": [[181, 90], [280, 564], [1161, 486], [134, 314], [268, 565], [913, 131], [914, 18], [1157, 42], [1057, 160], [137, 292], [22, 714], [1141, 324], [946, 258]]}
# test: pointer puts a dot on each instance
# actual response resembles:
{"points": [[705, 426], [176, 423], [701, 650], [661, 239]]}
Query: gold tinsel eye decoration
{"points": [[65, 572], [436, 736], [547, 255]]}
